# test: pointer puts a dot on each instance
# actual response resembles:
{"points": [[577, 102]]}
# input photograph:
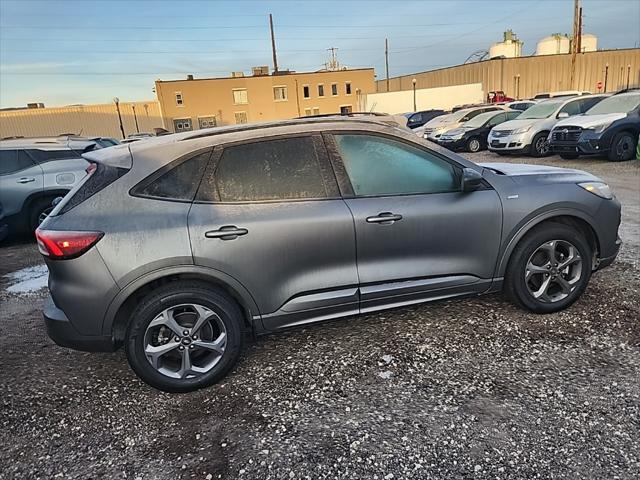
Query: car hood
{"points": [[586, 121], [515, 124], [525, 173]]}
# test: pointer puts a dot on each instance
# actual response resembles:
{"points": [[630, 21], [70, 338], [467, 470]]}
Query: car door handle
{"points": [[384, 218], [228, 232], [26, 180]]}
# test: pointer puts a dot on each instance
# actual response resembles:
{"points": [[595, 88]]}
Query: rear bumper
{"points": [[61, 331]]}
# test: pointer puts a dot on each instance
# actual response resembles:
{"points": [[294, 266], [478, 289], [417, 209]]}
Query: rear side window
{"points": [[283, 169], [179, 183], [102, 177], [14, 161], [42, 156]]}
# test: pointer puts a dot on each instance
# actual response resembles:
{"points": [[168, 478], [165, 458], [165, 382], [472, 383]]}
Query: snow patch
{"points": [[28, 280]]}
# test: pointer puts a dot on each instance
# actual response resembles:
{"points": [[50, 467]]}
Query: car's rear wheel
{"points": [[549, 269], [474, 145], [540, 145], [39, 211], [623, 147], [184, 336]]}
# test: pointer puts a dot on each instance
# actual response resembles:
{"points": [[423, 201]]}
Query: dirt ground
{"points": [[470, 388]]}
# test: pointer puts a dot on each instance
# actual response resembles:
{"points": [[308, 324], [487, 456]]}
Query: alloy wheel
{"points": [[474, 145], [553, 271], [44, 214], [624, 148], [185, 341], [542, 146]]}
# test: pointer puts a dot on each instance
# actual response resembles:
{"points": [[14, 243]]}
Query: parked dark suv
{"points": [[417, 119], [177, 246]]}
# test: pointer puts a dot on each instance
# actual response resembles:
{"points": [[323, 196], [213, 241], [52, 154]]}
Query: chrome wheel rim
{"points": [[44, 214], [185, 341], [542, 146], [474, 145], [553, 271]]}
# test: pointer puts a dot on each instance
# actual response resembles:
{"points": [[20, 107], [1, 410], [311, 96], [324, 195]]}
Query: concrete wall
{"points": [[426, 98], [214, 96], [525, 76], [98, 120]]}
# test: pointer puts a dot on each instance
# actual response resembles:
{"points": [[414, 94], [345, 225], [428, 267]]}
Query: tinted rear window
{"points": [[178, 183], [14, 161], [42, 156]]}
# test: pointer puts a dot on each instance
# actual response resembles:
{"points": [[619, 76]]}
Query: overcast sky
{"points": [[87, 51]]}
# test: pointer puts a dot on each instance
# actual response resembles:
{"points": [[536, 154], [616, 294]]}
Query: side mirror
{"points": [[471, 180], [563, 115], [465, 119]]}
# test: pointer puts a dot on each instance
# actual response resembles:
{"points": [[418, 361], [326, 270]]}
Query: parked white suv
{"points": [[528, 133], [433, 129], [35, 171]]}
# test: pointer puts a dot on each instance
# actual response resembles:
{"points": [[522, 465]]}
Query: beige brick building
{"points": [[192, 104]]}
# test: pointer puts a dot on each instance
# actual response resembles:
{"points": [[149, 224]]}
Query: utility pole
{"points": [[386, 59], [333, 62], [116, 100], [273, 45], [575, 40]]}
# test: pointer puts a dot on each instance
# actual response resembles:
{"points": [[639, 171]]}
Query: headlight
{"points": [[521, 130], [598, 128], [598, 188]]}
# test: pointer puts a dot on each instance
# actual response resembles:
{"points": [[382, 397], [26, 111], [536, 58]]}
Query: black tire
{"points": [[177, 293], [539, 145], [515, 285], [623, 147], [38, 208], [473, 145], [569, 156]]}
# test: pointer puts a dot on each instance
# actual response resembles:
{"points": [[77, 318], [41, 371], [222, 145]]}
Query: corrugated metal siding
{"points": [[98, 120], [537, 74]]}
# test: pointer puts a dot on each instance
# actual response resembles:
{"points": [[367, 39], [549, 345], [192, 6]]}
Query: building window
{"points": [[179, 101], [321, 90], [240, 96], [334, 89], [345, 109], [182, 125], [241, 117], [347, 88], [316, 111], [280, 94], [307, 112], [207, 122], [305, 91]]}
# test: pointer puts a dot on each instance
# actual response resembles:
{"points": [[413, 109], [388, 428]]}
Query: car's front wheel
{"points": [[474, 145], [549, 269], [184, 336], [623, 147], [540, 145]]}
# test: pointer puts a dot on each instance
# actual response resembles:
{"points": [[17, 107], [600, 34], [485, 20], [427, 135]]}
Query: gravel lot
{"points": [[462, 389]]}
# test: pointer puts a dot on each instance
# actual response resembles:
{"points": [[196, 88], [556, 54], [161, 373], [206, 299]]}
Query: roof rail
{"points": [[627, 90], [282, 123]]}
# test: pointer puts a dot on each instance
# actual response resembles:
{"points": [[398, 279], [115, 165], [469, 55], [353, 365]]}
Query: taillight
{"points": [[60, 245]]}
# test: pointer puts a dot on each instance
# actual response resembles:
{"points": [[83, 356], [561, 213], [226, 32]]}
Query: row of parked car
{"points": [[570, 126]]}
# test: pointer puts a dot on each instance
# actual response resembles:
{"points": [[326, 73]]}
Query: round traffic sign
{"points": [[599, 85]]}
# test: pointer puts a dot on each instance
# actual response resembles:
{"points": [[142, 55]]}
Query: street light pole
{"points": [[133, 107], [415, 107], [116, 100], [606, 75], [628, 73]]}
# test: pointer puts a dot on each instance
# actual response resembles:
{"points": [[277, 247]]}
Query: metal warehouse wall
{"points": [[98, 120], [536, 74]]}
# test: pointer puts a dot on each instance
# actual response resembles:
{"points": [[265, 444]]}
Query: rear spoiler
{"points": [[118, 156]]}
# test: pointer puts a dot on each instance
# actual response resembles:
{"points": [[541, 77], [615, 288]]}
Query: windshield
{"points": [[616, 104], [541, 110], [480, 120]]}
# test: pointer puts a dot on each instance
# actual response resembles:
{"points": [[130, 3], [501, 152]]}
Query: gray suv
{"points": [[33, 172], [178, 246]]}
